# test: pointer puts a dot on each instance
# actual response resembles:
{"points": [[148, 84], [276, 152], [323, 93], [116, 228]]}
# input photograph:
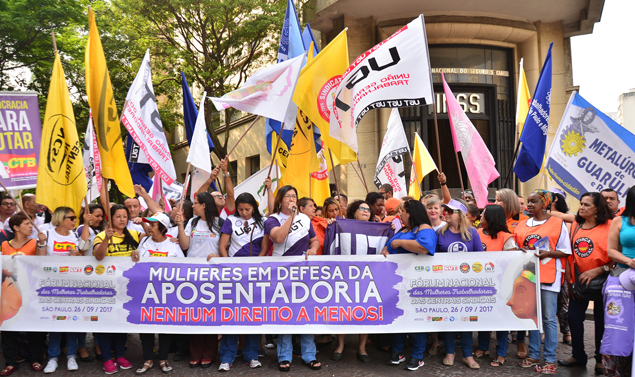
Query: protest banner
{"points": [[274, 295], [355, 237], [591, 152], [20, 135], [390, 167]]}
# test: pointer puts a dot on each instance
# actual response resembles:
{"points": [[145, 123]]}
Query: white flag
{"points": [[394, 73], [267, 93], [92, 162], [390, 167], [256, 187], [141, 117], [199, 151]]}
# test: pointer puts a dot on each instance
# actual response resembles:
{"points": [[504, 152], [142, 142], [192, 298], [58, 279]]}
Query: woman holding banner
{"points": [[495, 237], [589, 238], [156, 244], [22, 244], [117, 241], [528, 232], [458, 236], [291, 240], [417, 237], [243, 235], [201, 239]]}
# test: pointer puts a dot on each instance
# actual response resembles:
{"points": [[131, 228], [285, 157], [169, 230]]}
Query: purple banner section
{"points": [[452, 292], [355, 237], [254, 294], [76, 292], [20, 134]]}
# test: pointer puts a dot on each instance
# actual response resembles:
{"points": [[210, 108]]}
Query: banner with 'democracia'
{"points": [[273, 295]]}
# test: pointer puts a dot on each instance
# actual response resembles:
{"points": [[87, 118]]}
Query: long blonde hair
{"points": [[327, 203], [464, 225], [510, 202]]}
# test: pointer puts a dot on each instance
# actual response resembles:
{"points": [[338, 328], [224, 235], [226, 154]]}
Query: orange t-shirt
{"points": [[27, 249], [512, 223], [490, 244], [319, 225], [589, 246]]}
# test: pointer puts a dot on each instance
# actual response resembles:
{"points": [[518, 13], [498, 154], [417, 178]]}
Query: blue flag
{"points": [[355, 237], [291, 46], [190, 113], [534, 136], [138, 171]]}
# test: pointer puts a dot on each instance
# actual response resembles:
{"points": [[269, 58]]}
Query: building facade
{"points": [[626, 110], [477, 45]]}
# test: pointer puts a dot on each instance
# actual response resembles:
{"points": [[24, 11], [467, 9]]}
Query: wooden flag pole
{"points": [[275, 151], [243, 135], [337, 185], [436, 129], [358, 176], [458, 166], [19, 206], [54, 44], [361, 171], [106, 204], [185, 185]]}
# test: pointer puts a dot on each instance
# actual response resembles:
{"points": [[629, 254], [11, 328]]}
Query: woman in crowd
{"points": [[332, 209], [417, 237], [156, 244], [542, 224], [458, 236], [435, 213], [22, 244], [589, 240], [97, 224], [509, 201], [117, 241], [474, 215], [307, 206], [358, 210], [243, 235], [621, 249], [495, 237], [63, 241], [292, 241], [559, 208], [201, 238]]}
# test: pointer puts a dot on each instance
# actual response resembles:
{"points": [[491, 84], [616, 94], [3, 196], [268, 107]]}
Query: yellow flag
{"points": [[302, 156], [60, 180], [282, 152], [320, 187], [423, 163], [105, 116], [524, 100], [315, 91]]}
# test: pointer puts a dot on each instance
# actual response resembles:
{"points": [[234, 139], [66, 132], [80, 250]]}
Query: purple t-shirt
{"points": [[297, 242], [240, 236], [452, 242]]}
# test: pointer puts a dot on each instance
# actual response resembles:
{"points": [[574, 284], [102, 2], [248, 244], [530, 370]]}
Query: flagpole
{"points": [[19, 206], [362, 173], [337, 185], [274, 152], [458, 166], [511, 165], [245, 133], [161, 192], [185, 185], [436, 128], [106, 204], [358, 176]]}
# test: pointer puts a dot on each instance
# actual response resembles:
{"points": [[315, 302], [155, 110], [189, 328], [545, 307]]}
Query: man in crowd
{"points": [[612, 201], [7, 209], [343, 201], [31, 208], [386, 191], [226, 205], [376, 203], [134, 207]]}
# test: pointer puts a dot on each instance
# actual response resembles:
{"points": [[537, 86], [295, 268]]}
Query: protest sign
{"points": [[355, 237], [591, 152], [275, 295], [20, 134]]}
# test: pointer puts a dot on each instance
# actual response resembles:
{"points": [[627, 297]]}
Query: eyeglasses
{"points": [[7, 204], [364, 209], [71, 218], [217, 196], [451, 211], [291, 196]]}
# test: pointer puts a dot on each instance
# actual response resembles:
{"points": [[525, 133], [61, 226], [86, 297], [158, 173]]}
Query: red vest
{"points": [[589, 246], [490, 244], [526, 236]]}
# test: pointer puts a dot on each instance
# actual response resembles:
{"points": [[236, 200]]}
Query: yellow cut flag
{"points": [[524, 100], [302, 156], [423, 163], [282, 152], [60, 180], [105, 116], [315, 91]]}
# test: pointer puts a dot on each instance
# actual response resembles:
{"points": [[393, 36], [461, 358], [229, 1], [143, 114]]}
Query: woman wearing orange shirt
{"points": [[589, 241]]}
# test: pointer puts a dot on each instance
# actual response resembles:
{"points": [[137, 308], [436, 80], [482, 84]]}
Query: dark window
{"points": [[252, 165], [233, 172]]}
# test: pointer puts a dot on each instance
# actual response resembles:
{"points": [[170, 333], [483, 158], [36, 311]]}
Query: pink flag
{"points": [[479, 163]]}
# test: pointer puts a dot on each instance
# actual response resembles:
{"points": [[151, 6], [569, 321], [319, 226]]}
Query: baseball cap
{"points": [[456, 205], [392, 204], [627, 279], [160, 217]]}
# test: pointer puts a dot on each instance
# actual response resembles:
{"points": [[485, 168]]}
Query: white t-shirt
{"points": [[133, 226], [564, 245], [149, 248], [203, 240], [60, 246], [173, 232], [435, 228], [239, 243]]}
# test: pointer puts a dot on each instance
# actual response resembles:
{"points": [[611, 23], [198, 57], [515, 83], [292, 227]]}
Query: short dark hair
{"points": [[17, 220], [353, 207], [561, 202], [496, 220], [373, 197], [603, 214], [473, 210], [387, 187], [417, 212]]}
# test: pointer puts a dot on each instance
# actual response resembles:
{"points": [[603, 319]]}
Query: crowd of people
{"points": [[583, 249]]}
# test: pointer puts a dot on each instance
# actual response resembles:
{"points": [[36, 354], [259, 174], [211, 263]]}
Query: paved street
{"points": [[348, 366]]}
